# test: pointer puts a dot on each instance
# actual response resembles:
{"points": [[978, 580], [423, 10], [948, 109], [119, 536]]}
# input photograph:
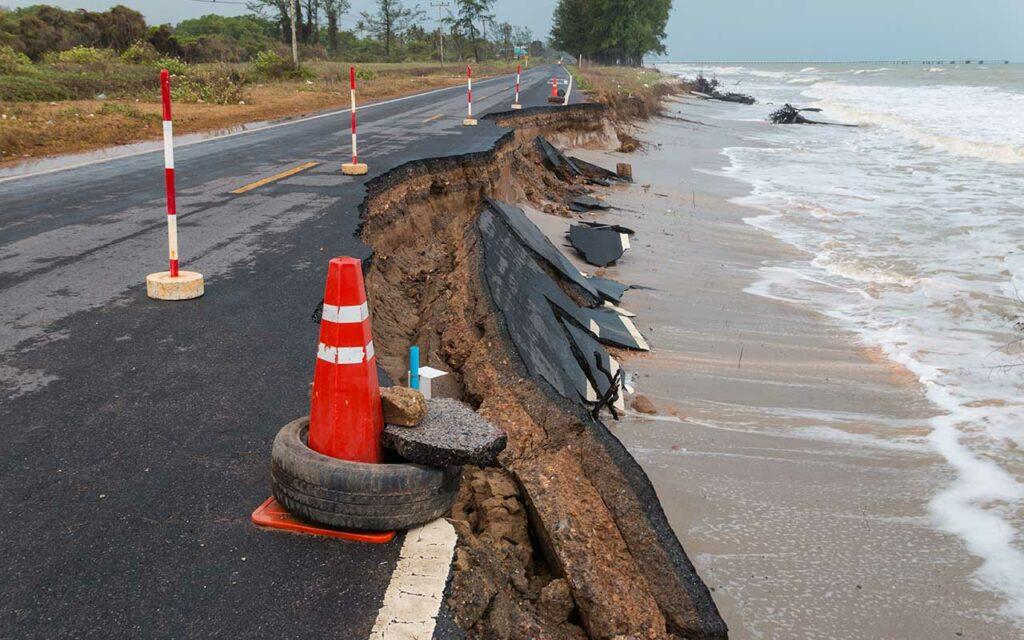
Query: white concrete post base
{"points": [[357, 169], [161, 286], [517, 106], [469, 122]]}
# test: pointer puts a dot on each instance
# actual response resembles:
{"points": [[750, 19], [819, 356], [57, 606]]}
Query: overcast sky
{"points": [[750, 29]]}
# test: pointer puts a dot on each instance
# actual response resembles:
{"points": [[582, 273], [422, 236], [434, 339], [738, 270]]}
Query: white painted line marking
{"points": [[625, 240], [414, 595], [631, 328]]}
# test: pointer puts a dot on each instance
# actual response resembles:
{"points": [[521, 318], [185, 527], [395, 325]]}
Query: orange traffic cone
{"points": [[345, 419]]}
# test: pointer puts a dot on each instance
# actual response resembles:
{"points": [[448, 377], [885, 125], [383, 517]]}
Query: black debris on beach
{"points": [[709, 89]]}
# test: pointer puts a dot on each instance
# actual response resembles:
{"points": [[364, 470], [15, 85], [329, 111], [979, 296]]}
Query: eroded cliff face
{"points": [[566, 538]]}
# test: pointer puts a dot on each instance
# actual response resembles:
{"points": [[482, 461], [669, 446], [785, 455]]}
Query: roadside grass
{"points": [[68, 107], [630, 93]]}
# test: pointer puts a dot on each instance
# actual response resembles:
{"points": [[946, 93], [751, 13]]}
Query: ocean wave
{"points": [[970, 122]]}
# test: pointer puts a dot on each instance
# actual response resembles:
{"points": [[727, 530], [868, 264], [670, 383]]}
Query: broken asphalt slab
{"points": [[599, 246], [451, 434]]}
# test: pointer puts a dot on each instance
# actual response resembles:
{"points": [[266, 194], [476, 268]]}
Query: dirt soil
{"points": [[558, 542]]}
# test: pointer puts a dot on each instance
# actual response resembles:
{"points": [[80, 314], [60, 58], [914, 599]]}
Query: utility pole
{"points": [[440, 33], [292, 12]]}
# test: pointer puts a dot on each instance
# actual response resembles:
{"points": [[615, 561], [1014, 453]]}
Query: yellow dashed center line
{"points": [[431, 118], [274, 178]]}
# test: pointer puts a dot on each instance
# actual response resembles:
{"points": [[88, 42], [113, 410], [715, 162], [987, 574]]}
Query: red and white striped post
{"points": [[172, 210], [515, 103], [470, 120], [354, 168], [173, 284]]}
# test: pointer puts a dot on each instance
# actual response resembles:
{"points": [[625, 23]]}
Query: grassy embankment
{"points": [[630, 93], [72, 105]]}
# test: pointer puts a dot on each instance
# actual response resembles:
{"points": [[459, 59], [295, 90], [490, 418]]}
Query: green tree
{"points": [[334, 9], [611, 31], [389, 22], [472, 19]]}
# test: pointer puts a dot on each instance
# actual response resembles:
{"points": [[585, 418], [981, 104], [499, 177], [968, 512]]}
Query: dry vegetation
{"points": [[36, 129], [631, 93]]}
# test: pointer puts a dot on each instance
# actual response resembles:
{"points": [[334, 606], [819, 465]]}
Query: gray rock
{"points": [[451, 434]]}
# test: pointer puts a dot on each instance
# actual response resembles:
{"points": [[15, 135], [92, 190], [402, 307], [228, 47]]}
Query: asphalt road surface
{"points": [[136, 434]]}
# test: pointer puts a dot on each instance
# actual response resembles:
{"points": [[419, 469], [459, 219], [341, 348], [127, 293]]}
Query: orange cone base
{"points": [[357, 169], [272, 515]]}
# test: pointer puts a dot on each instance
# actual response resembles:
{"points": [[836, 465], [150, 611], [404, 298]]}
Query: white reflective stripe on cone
{"points": [[345, 355], [356, 313], [168, 145]]}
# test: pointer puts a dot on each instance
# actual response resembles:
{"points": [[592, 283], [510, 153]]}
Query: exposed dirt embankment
{"points": [[566, 539]]}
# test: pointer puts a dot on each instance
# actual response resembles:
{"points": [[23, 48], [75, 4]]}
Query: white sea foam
{"points": [[911, 233]]}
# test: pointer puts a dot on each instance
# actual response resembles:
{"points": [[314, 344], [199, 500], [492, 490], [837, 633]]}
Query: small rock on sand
{"points": [[643, 404], [403, 406]]}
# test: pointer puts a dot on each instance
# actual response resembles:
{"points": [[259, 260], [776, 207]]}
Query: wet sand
{"points": [[790, 459]]}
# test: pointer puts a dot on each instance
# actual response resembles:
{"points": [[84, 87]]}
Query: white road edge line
{"points": [[414, 595], [329, 114]]}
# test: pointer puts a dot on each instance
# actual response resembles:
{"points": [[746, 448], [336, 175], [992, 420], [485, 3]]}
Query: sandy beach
{"points": [[791, 459]]}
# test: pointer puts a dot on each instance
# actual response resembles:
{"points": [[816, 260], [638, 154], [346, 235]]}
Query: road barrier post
{"points": [[172, 284], [470, 120], [354, 168], [346, 418], [515, 103]]}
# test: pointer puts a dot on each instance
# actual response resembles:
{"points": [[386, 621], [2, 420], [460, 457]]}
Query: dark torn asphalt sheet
{"points": [[595, 290], [563, 166], [599, 246], [557, 339]]}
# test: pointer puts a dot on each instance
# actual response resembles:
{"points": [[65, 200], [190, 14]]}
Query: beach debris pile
{"points": [[708, 89], [788, 114], [599, 244]]}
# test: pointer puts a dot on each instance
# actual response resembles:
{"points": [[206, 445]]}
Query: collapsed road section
{"points": [[566, 539]]}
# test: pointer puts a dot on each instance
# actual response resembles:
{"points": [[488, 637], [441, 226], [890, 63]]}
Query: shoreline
{"points": [[790, 458]]}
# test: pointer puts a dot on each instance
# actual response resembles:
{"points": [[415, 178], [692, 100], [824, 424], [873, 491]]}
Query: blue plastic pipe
{"points": [[414, 367]]}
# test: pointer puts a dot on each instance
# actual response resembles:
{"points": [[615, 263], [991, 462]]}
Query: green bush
{"points": [[173, 65], [365, 74], [141, 52], [12, 61], [26, 88], [220, 86], [81, 55], [269, 64]]}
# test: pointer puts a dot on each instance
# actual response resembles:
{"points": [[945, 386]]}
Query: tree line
{"points": [[391, 31], [611, 31]]}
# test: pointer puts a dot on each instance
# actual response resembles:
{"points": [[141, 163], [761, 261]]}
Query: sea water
{"points": [[911, 228]]}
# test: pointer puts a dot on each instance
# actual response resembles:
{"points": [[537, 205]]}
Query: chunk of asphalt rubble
{"points": [[403, 406], [451, 434]]}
